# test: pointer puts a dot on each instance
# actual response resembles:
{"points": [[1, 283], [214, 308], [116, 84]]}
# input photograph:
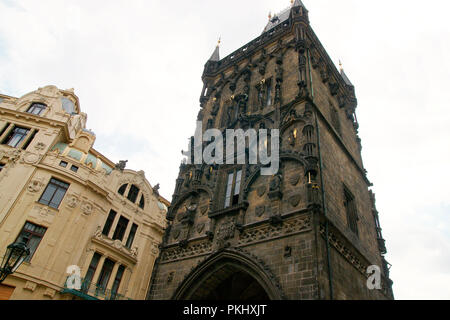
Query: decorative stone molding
{"points": [[87, 208], [177, 253], [49, 293], [30, 158], [35, 186], [40, 146], [346, 252], [72, 201], [267, 231], [295, 200], [115, 244], [31, 286]]}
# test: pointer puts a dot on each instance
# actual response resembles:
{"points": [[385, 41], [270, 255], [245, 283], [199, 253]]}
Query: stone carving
{"points": [[35, 186], [294, 200], [29, 285], [44, 211], [259, 210], [265, 232], [156, 189], [87, 207], [275, 183], [117, 244], [204, 210], [225, 231], [49, 293], [176, 253], [98, 232], [261, 190], [134, 252], [200, 227], [39, 146], [121, 165], [176, 234], [72, 201], [170, 277], [294, 179]]}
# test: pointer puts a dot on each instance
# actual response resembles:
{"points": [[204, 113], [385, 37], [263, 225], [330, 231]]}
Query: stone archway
{"points": [[228, 275]]}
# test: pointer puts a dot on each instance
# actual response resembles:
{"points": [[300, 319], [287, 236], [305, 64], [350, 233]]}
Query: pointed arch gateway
{"points": [[229, 275]]}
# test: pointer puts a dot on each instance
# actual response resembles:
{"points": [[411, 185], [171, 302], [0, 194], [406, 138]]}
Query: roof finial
{"points": [[340, 65], [292, 3], [270, 15], [218, 42]]}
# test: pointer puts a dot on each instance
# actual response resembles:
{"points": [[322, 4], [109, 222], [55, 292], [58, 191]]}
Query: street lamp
{"points": [[15, 254]]}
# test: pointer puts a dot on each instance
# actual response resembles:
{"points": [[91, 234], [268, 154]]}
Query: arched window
{"points": [[142, 202], [122, 189], [133, 193]]}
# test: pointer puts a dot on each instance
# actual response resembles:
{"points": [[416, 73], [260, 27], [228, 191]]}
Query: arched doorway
{"points": [[228, 275], [230, 283]]}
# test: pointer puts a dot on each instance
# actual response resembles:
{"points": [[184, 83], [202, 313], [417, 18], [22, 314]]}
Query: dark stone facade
{"points": [[287, 236]]}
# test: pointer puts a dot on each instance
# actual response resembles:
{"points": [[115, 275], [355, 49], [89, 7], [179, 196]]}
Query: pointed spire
{"points": [[297, 3], [215, 56], [343, 75]]}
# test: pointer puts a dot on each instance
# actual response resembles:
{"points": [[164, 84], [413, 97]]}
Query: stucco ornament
{"points": [[87, 207], [35, 186]]}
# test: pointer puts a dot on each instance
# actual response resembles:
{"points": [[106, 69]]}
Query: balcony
{"points": [[91, 291]]}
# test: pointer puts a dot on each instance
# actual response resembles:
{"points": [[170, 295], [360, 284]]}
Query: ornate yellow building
{"points": [[80, 214]]}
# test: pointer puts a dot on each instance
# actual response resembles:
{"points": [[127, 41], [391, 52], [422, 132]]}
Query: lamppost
{"points": [[15, 254]]}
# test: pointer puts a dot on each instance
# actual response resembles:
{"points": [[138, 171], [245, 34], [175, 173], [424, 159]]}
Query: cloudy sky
{"points": [[136, 67]]}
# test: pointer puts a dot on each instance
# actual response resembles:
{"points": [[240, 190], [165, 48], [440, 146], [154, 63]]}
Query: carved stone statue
{"points": [[156, 189], [121, 165]]}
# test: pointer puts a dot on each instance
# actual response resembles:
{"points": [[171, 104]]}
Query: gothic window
{"points": [[36, 108], [350, 209], [233, 188], [122, 189], [109, 222], [31, 235], [54, 193], [308, 132], [309, 149], [133, 193], [16, 136], [131, 235], [120, 229]]}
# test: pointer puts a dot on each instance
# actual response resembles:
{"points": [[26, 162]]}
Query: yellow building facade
{"points": [[92, 226]]}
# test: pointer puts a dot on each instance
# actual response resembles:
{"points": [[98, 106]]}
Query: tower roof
{"points": [[215, 56], [282, 16]]}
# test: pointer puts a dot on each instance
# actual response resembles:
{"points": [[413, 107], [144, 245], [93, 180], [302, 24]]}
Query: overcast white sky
{"points": [[136, 67]]}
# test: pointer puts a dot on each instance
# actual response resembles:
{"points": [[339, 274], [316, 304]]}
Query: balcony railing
{"points": [[92, 291]]}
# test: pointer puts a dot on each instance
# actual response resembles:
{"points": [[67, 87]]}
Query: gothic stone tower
{"points": [[308, 232]]}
